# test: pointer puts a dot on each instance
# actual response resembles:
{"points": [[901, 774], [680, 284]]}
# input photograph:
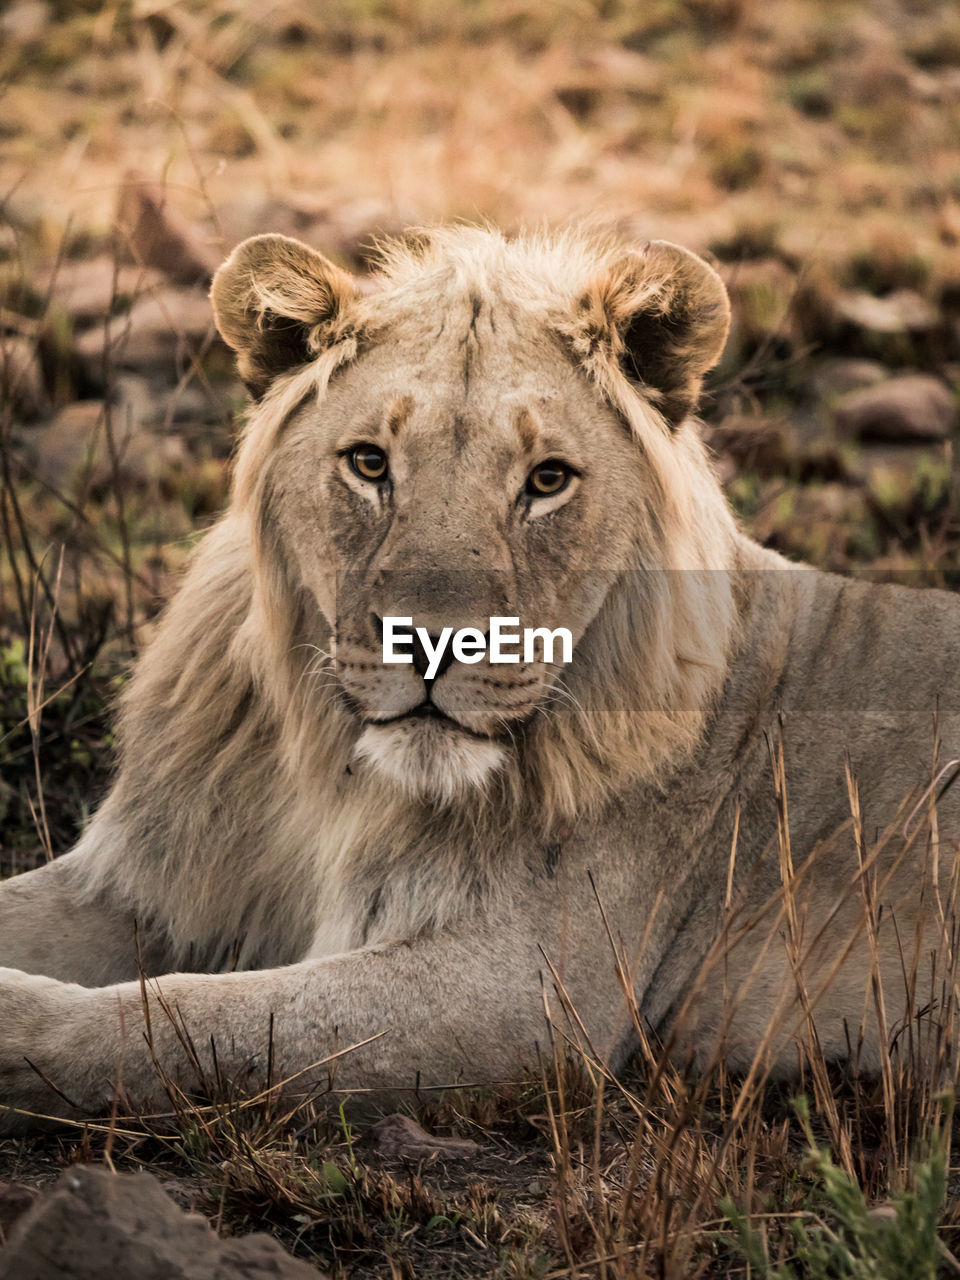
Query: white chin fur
{"points": [[429, 761]]}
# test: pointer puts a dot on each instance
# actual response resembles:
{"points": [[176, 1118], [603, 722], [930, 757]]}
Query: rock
{"points": [[74, 447], [911, 407], [21, 377], [25, 20], [162, 331], [14, 1201], [168, 408], [92, 289], [399, 1135], [838, 376], [156, 236], [752, 443], [59, 451], [94, 1224], [903, 311]]}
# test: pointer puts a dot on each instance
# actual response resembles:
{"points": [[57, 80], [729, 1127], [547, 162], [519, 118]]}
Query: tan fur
{"points": [[278, 811]]}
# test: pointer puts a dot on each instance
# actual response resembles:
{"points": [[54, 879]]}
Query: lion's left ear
{"points": [[662, 315], [277, 304]]}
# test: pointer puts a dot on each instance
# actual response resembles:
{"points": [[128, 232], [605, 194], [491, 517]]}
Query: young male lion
{"points": [[309, 838]]}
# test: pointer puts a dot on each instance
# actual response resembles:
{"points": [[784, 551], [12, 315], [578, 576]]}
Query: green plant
{"points": [[847, 1240]]}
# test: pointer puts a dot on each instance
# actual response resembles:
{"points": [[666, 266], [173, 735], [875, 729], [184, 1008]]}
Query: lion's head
{"points": [[494, 428]]}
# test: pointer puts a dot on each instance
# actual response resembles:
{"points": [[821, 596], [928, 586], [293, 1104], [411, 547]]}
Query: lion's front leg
{"points": [[435, 1012], [39, 1019]]}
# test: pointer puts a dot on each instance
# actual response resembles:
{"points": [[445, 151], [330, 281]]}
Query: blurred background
{"points": [[809, 147]]}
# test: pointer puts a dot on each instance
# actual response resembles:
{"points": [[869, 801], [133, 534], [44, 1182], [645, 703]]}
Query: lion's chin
{"points": [[429, 761]]}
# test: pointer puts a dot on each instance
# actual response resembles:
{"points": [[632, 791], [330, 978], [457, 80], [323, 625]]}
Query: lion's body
{"points": [[278, 811]]}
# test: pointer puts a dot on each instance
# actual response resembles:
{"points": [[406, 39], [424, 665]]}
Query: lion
{"points": [[313, 858]]}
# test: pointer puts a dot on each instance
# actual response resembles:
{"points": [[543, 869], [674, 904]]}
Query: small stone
{"points": [[838, 376], [912, 407], [399, 1135], [903, 311], [883, 1213]]}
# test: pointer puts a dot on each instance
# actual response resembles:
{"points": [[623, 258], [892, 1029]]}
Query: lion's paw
{"points": [[38, 1024]]}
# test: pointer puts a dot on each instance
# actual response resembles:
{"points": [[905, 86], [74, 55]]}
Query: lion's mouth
{"points": [[428, 711]]}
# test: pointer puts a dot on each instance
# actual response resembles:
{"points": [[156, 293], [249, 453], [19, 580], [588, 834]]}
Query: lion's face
{"points": [[416, 491], [461, 466]]}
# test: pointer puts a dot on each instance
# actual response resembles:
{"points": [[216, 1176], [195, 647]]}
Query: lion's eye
{"points": [[368, 462], [547, 478]]}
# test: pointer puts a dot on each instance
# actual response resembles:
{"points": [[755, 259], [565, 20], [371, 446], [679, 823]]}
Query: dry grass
{"points": [[700, 116]]}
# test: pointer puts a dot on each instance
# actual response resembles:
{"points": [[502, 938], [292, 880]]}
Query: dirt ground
{"points": [[809, 148]]}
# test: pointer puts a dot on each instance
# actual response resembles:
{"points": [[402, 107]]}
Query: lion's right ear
{"points": [[278, 303]]}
